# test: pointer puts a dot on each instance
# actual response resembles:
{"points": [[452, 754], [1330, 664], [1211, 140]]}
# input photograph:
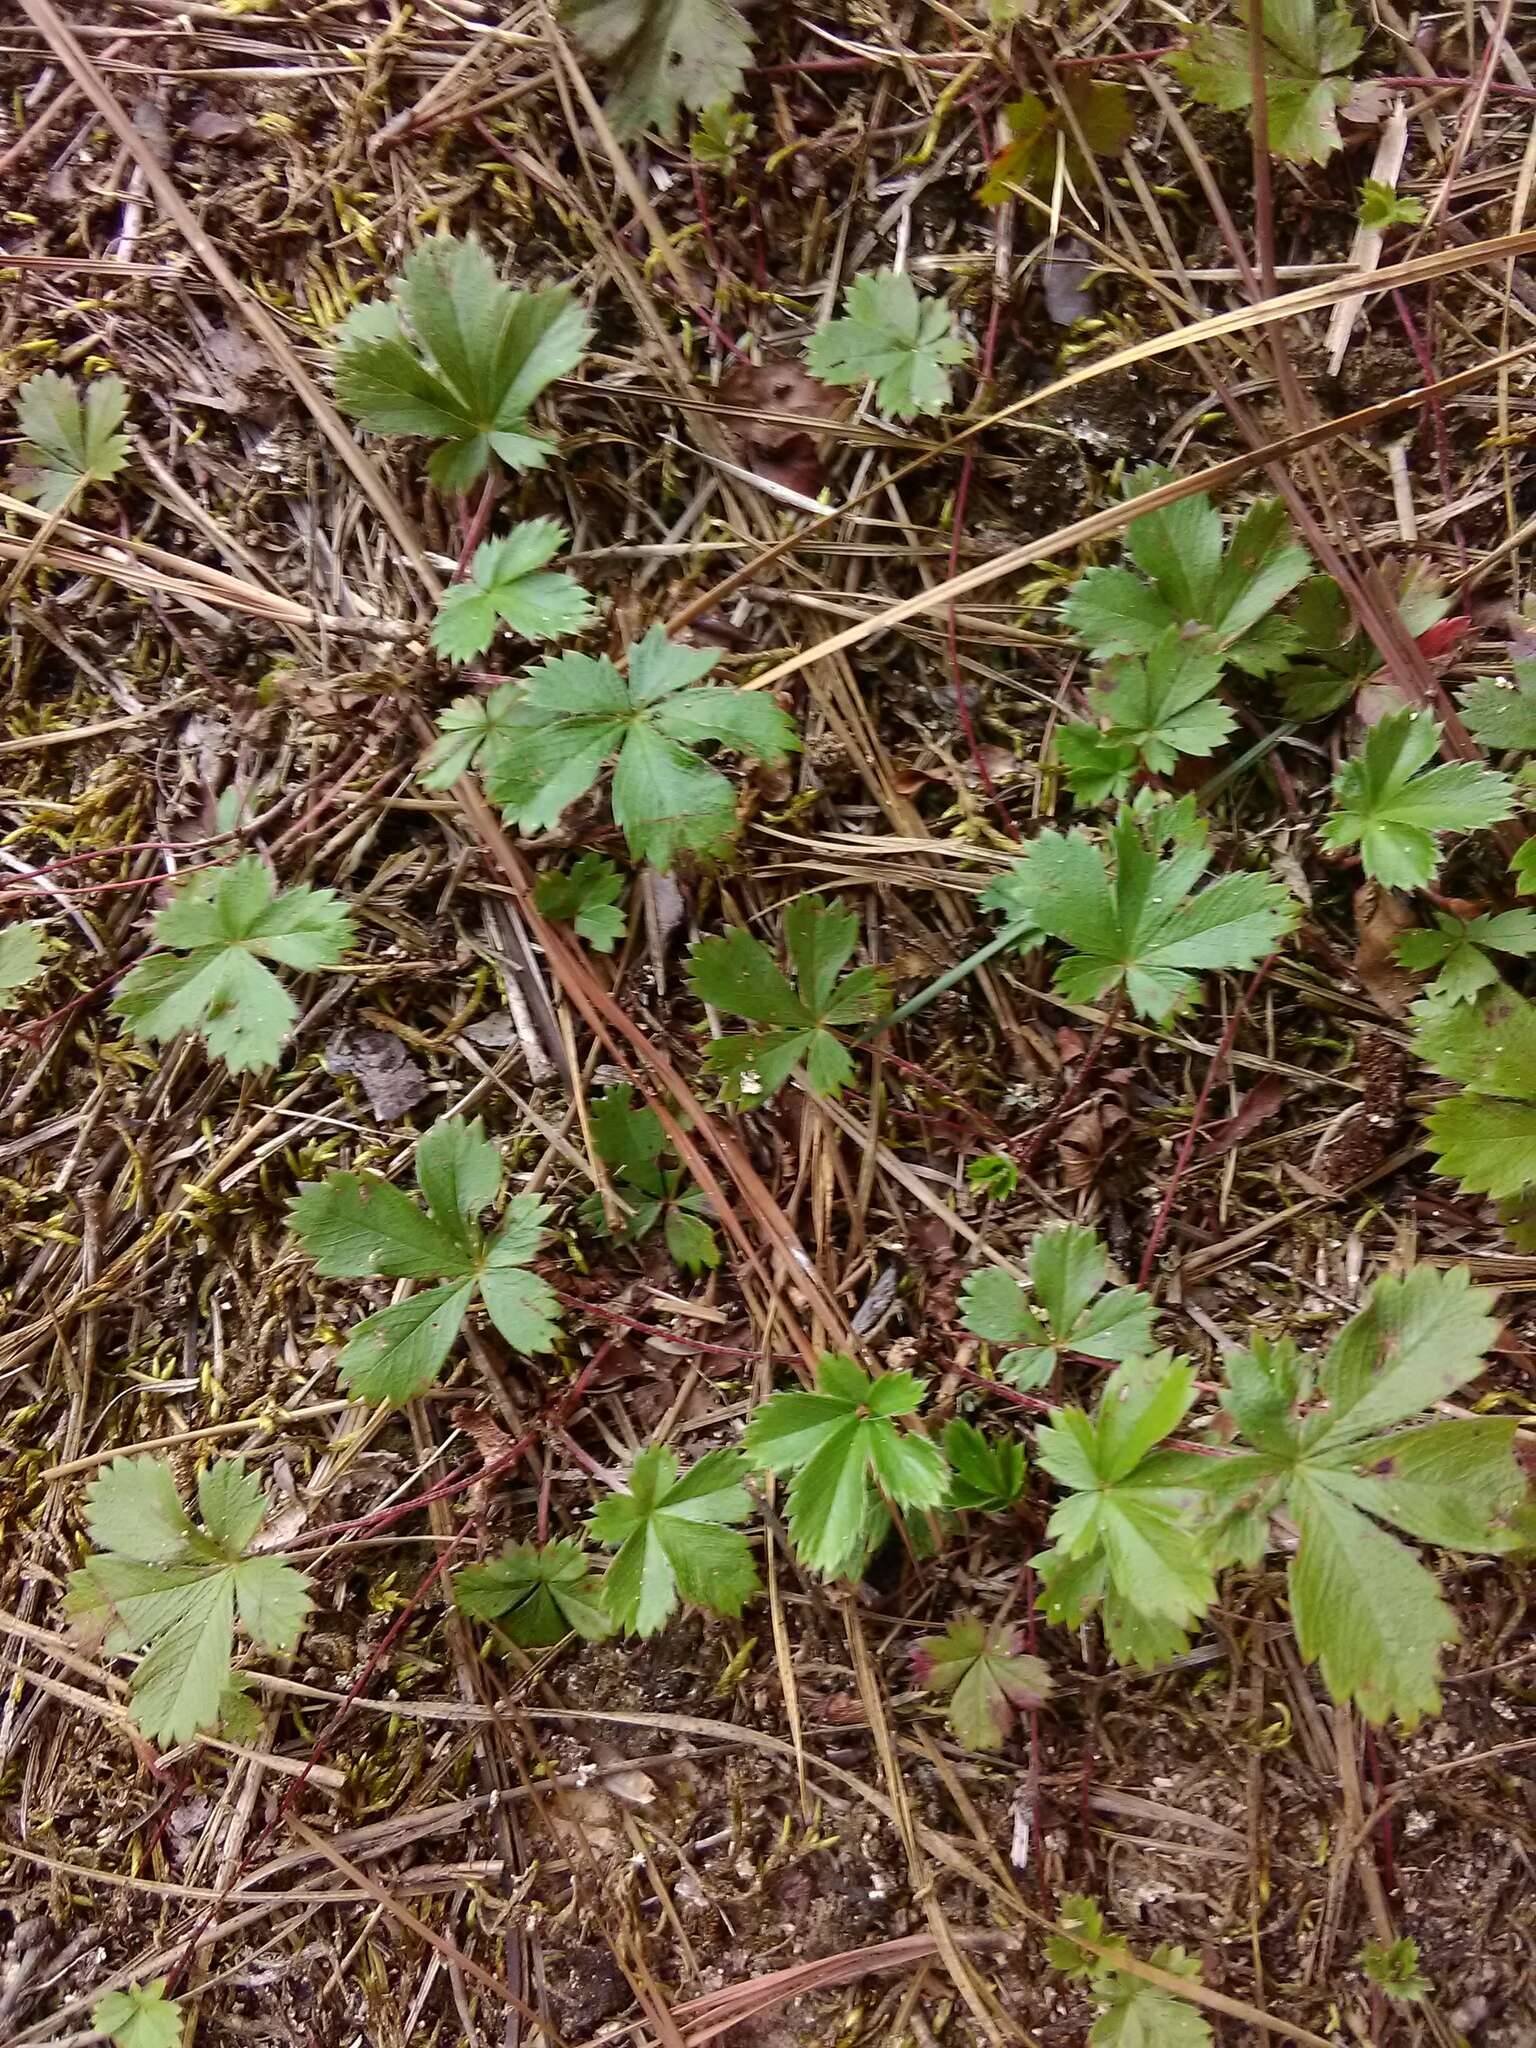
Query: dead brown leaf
{"points": [[390, 1078], [1381, 918], [784, 451]]}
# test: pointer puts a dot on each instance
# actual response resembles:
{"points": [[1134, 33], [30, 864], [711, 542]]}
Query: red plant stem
{"points": [[474, 527], [74, 860], [1381, 1825], [24, 889], [1181, 1165], [613, 1315], [1034, 1145], [936, 60], [1435, 84]]}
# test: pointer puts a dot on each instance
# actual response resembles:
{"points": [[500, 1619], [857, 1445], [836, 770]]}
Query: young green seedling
{"points": [[355, 1225], [163, 1585]]}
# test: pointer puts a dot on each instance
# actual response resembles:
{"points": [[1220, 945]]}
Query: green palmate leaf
{"points": [[845, 1456], [458, 357], [1394, 1967], [1461, 948], [1503, 714], [224, 926], [1136, 2014], [539, 1592], [1133, 916], [508, 582], [471, 730], [676, 1540], [587, 896], [1124, 1529], [1040, 136], [1182, 580], [68, 444], [738, 974], [985, 1678], [140, 2017], [24, 950], [1391, 804], [1486, 1137], [721, 136], [355, 1225], [1149, 714], [986, 1473], [632, 1144], [1307, 45], [161, 1586], [994, 1176], [1132, 2012], [1333, 656], [1383, 207], [574, 713], [662, 55], [1364, 1606], [1069, 1269], [890, 337]]}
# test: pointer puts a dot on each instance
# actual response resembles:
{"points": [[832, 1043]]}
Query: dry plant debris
{"points": [[806, 1320]]}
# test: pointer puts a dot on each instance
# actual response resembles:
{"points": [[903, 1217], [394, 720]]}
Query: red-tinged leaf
{"points": [[1445, 637]]}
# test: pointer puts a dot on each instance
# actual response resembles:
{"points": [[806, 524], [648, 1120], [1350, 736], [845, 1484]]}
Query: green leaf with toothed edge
{"points": [[222, 928], [1365, 1607], [888, 336], [1070, 1312], [1486, 1136], [986, 1473], [24, 950], [1148, 714], [140, 2016], [1132, 913], [539, 1592], [587, 896], [509, 584], [841, 1449], [663, 55], [738, 974], [985, 1678], [1124, 1528], [356, 1225], [69, 443], [575, 712], [1306, 49], [1391, 804], [458, 357], [677, 1539], [160, 1585], [1181, 579]]}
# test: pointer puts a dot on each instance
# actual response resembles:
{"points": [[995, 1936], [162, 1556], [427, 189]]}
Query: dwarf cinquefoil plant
{"points": [[541, 743], [799, 1014], [70, 443], [169, 1588], [459, 358], [1123, 1539], [845, 1454], [1183, 577], [1065, 1309], [357, 1224], [1130, 912], [220, 929], [1339, 1446]]}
